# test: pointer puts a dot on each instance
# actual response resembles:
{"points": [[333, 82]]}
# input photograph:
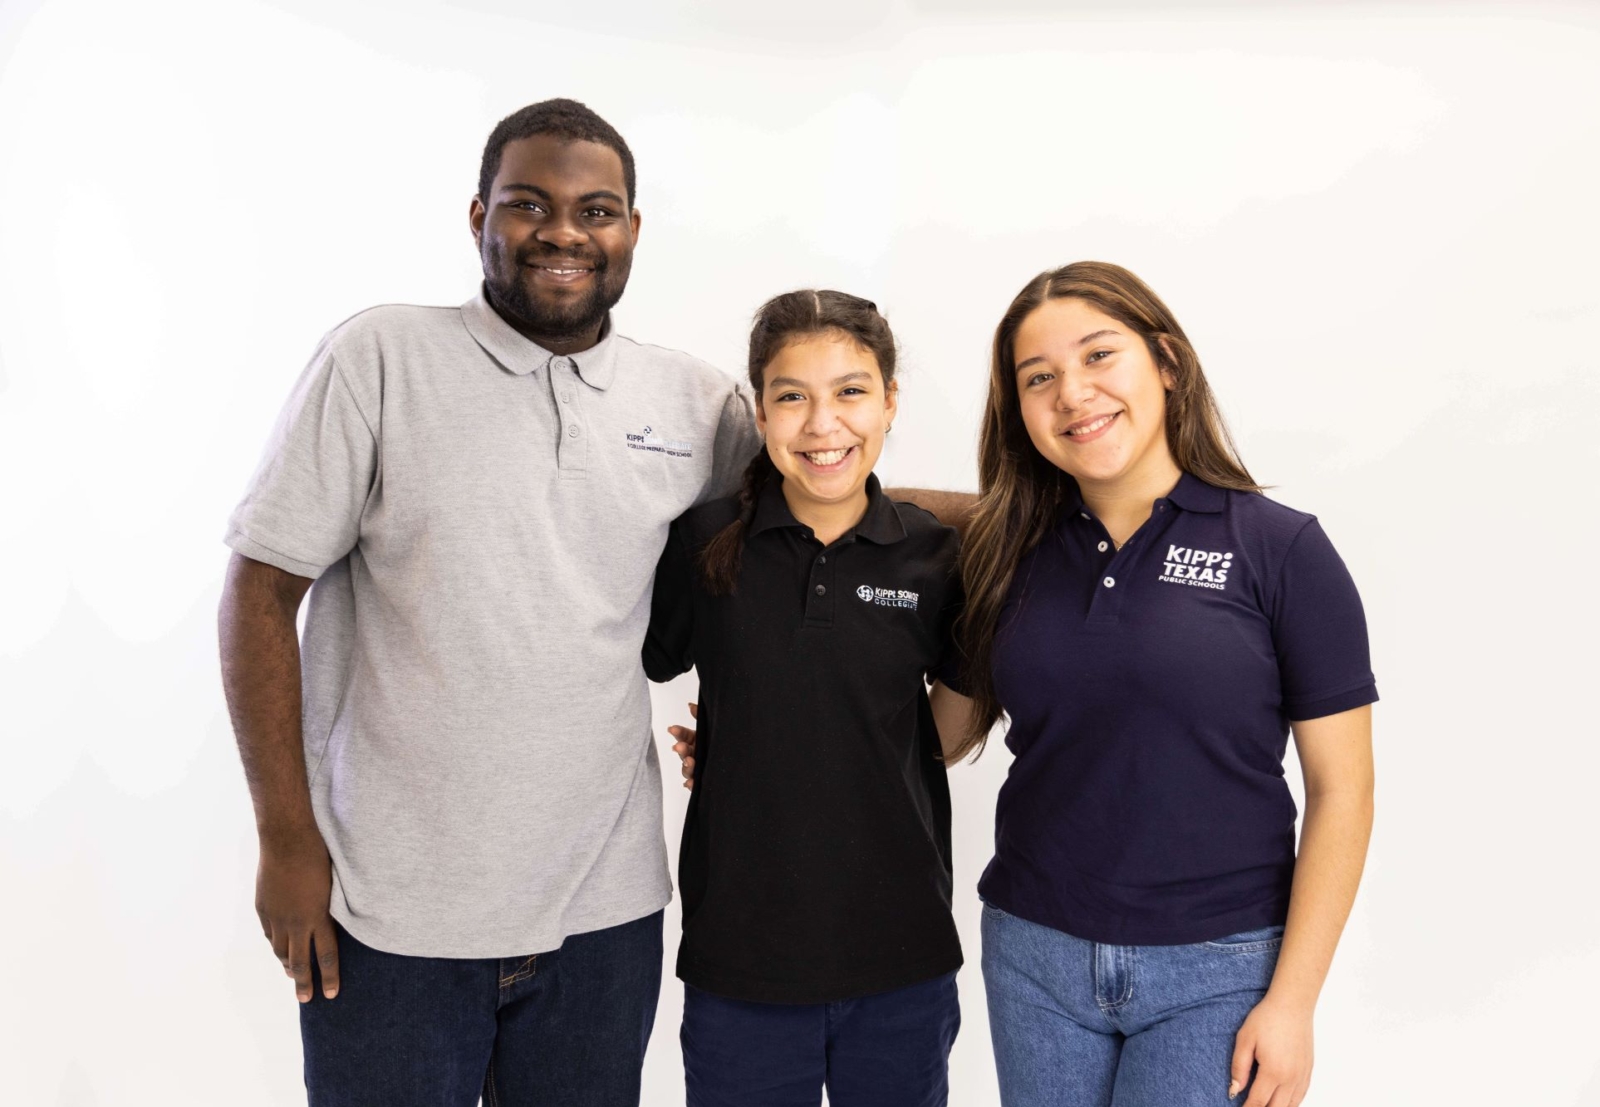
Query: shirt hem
{"points": [[240, 542], [370, 933], [1185, 933], [1304, 710], [732, 985]]}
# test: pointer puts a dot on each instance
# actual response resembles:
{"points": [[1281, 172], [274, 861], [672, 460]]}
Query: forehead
{"points": [[822, 357], [561, 165], [1054, 328]]}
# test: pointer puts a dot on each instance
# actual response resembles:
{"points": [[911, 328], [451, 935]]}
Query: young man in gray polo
{"points": [[458, 798]]}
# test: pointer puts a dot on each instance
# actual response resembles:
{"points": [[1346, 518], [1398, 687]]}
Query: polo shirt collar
{"points": [[1193, 494], [880, 524], [1190, 494], [500, 340]]}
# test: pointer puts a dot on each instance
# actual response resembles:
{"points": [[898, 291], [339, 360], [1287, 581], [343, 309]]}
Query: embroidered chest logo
{"points": [[888, 597], [1197, 568], [651, 441]]}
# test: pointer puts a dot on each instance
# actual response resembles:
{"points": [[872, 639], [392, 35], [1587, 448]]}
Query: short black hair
{"points": [[566, 119]]}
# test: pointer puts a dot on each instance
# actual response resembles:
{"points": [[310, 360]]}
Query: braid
{"points": [[719, 561]]}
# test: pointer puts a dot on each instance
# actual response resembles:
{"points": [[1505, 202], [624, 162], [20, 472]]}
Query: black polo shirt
{"points": [[1150, 691], [815, 863]]}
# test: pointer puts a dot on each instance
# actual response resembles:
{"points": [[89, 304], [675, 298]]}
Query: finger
{"points": [[1244, 1055], [682, 749], [1262, 1089], [299, 964], [279, 937], [325, 945], [688, 767], [694, 711]]}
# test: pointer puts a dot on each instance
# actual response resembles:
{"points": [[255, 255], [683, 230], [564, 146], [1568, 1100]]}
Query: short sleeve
{"points": [[951, 665], [1320, 631], [302, 509], [737, 442], [669, 639]]}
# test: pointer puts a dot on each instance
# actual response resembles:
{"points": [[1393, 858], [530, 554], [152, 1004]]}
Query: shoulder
{"points": [[699, 525], [1265, 517], [682, 368], [369, 336], [926, 534]]}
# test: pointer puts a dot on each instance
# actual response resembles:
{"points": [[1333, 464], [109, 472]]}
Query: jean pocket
{"points": [[1248, 941], [992, 911]]}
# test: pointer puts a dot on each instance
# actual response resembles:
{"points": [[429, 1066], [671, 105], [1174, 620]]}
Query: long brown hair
{"points": [[1020, 493], [790, 317]]}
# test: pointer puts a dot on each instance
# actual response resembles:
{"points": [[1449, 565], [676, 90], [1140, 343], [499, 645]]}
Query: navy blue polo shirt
{"points": [[815, 863], [1150, 691]]}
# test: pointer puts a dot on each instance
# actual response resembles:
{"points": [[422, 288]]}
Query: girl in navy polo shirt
{"points": [[1155, 629], [818, 946]]}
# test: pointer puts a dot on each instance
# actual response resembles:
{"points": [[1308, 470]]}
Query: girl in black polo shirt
{"points": [[1153, 627], [818, 946]]}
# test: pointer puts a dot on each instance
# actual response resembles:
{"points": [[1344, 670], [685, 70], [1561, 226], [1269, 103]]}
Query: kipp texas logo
{"points": [[1197, 568]]}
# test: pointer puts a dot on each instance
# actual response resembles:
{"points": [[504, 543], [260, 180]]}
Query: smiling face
{"points": [[556, 237], [824, 410], [1093, 398]]}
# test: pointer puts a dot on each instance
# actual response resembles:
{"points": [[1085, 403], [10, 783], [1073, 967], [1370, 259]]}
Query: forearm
{"points": [[953, 509], [260, 654], [1333, 851], [952, 717]]}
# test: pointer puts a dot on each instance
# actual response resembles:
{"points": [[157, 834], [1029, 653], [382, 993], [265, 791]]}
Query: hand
{"points": [[1276, 1039], [684, 746], [293, 883]]}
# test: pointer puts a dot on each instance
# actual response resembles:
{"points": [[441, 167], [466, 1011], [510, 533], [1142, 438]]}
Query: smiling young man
{"points": [[457, 795]]}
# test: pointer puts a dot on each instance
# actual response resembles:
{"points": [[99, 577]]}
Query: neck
{"points": [[1122, 505], [827, 521]]}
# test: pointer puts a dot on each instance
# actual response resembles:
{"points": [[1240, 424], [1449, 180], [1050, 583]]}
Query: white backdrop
{"points": [[1376, 222]]}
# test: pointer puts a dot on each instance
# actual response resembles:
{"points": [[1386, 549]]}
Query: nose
{"points": [[821, 418], [562, 232], [1073, 390]]}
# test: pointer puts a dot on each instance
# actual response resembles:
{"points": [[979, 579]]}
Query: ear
{"points": [[761, 415], [633, 221], [891, 401], [475, 217]]}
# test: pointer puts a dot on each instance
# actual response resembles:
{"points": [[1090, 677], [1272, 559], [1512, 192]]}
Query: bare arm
{"points": [[953, 509], [952, 716], [1336, 759], [261, 678]]}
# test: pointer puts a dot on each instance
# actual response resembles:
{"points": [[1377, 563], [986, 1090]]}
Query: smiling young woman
{"points": [[1155, 629]]}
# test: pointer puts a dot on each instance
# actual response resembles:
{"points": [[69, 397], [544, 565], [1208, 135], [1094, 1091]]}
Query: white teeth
{"points": [[1092, 427], [827, 457]]}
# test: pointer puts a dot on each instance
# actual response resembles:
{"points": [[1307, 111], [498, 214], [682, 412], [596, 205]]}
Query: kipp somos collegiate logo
{"points": [[1197, 568], [652, 442], [888, 597]]}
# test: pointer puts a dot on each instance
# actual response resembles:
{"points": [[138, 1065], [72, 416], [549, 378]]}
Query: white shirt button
{"points": [[1085, 514], [1102, 547], [573, 432], [566, 397], [1109, 582]]}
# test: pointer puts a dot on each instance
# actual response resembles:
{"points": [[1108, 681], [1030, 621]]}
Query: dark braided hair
{"points": [[790, 317]]}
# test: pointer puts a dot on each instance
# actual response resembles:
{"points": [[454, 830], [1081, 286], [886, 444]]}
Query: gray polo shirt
{"points": [[483, 521]]}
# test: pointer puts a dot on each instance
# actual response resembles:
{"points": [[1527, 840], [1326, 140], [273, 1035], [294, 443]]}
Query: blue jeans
{"points": [[564, 1029], [1080, 1024], [886, 1050]]}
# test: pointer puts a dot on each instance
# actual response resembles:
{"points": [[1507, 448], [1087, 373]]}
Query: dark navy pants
{"points": [[560, 1029], [886, 1050]]}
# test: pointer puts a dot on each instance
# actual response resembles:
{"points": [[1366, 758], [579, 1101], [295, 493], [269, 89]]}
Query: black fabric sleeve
{"points": [[669, 641]]}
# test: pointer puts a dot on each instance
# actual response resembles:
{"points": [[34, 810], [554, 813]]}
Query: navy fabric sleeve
{"points": [[1320, 631], [669, 641]]}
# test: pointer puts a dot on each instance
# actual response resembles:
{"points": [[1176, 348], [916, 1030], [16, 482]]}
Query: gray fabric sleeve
{"points": [[737, 442], [302, 509]]}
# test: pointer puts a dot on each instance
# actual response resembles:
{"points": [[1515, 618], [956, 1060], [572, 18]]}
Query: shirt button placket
{"points": [[572, 446], [819, 603]]}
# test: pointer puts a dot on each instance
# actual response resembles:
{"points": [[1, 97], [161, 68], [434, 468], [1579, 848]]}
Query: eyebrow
{"points": [[1084, 341], [790, 382], [586, 198]]}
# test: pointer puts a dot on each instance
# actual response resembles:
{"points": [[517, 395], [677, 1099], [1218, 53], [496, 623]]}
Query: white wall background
{"points": [[1377, 223]]}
